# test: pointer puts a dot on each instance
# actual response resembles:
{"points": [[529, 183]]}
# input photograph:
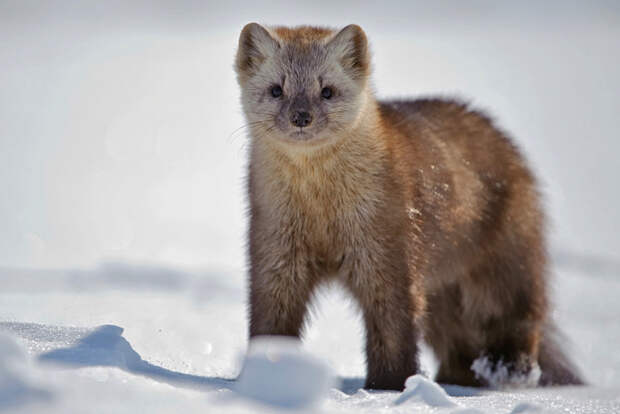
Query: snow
{"points": [[497, 374], [428, 392], [277, 372], [122, 270], [125, 347], [15, 388]]}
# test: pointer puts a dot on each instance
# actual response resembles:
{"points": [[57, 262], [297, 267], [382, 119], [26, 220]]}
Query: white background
{"points": [[119, 120]]}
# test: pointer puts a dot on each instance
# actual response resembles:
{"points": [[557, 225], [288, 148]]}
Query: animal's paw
{"points": [[500, 373]]}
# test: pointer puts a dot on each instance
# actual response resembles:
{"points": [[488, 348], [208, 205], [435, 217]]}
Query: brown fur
{"points": [[423, 209]]}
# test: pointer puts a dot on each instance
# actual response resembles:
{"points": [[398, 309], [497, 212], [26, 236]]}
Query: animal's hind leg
{"points": [[450, 339], [510, 354], [506, 298], [508, 360], [486, 328], [456, 369], [511, 323]]}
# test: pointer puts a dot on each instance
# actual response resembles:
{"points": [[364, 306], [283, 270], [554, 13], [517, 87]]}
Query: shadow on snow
{"points": [[105, 346]]}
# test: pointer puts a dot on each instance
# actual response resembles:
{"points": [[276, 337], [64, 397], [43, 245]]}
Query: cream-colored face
{"points": [[301, 91]]}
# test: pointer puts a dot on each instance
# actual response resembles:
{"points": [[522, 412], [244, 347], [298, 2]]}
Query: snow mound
{"points": [[498, 375], [418, 388], [15, 388], [526, 408], [104, 346], [277, 372]]}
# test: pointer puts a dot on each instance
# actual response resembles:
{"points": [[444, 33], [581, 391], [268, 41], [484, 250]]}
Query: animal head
{"points": [[304, 84]]}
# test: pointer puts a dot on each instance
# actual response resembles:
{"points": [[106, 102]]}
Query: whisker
{"points": [[263, 113], [247, 125]]}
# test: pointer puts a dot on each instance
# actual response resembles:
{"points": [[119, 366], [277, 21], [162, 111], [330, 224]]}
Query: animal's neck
{"points": [[340, 172]]}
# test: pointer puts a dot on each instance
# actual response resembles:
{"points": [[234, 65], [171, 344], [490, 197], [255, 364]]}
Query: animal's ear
{"points": [[255, 45], [351, 47]]}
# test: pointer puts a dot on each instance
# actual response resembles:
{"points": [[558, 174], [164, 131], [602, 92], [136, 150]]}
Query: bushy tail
{"points": [[556, 368]]}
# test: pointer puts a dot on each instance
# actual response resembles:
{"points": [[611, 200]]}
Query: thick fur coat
{"points": [[423, 210]]}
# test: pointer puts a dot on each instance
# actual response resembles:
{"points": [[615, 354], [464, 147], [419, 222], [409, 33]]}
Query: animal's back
{"points": [[467, 135], [470, 183]]}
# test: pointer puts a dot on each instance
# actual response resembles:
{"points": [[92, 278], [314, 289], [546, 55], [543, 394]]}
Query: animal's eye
{"points": [[276, 91], [326, 93]]}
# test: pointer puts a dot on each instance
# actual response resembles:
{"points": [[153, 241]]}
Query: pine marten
{"points": [[423, 209]]}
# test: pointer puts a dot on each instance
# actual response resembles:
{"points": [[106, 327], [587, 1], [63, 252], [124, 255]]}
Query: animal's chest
{"points": [[326, 220], [328, 214]]}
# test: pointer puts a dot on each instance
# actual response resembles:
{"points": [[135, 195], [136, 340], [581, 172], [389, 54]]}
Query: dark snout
{"points": [[301, 118]]}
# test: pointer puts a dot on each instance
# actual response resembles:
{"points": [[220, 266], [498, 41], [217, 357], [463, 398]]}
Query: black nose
{"points": [[301, 118]]}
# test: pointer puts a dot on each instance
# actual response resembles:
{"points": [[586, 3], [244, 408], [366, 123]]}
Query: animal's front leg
{"points": [[390, 308], [278, 301]]}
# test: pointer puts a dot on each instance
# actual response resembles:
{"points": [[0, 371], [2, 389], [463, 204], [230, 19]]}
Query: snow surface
{"points": [[122, 347], [428, 392], [277, 372], [122, 280]]}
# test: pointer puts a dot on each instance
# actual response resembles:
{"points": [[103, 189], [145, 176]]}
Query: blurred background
{"points": [[119, 121]]}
